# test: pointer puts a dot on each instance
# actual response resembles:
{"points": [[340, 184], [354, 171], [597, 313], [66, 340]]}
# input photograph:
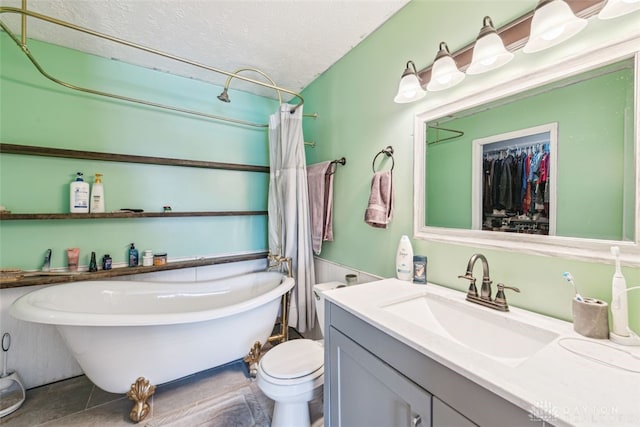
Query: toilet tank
{"points": [[318, 296]]}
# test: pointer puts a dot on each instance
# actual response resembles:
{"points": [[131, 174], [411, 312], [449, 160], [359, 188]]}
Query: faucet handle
{"points": [[501, 299], [472, 291]]}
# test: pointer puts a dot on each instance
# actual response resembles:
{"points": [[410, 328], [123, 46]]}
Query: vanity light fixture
{"points": [[553, 22], [445, 73], [614, 8], [489, 52], [409, 89]]}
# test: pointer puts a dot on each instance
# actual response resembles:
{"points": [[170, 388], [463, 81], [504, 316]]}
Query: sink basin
{"points": [[481, 329]]}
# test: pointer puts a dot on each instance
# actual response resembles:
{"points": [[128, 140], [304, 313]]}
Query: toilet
{"points": [[292, 373]]}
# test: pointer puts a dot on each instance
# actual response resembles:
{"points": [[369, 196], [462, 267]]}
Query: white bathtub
{"points": [[121, 330]]}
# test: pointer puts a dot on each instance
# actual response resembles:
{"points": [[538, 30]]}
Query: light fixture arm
{"points": [[443, 50], [410, 69], [487, 27]]}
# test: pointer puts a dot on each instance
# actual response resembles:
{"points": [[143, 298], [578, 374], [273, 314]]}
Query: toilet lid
{"points": [[293, 359]]}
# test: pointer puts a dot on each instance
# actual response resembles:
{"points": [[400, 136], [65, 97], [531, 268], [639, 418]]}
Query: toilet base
{"points": [[290, 414]]}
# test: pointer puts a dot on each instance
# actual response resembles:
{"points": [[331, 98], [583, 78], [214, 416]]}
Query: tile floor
{"points": [[221, 397]]}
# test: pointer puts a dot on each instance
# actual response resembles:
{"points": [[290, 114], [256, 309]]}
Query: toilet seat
{"points": [[301, 360]]}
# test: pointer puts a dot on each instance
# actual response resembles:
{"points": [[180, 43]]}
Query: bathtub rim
{"points": [[23, 309]]}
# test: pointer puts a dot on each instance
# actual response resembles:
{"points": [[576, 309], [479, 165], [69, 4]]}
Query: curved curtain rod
{"points": [[23, 46], [255, 70]]}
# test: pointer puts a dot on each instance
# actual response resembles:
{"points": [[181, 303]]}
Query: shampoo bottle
{"points": [[79, 195], [133, 256], [404, 259], [97, 195]]}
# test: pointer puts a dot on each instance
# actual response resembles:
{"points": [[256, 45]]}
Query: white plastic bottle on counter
{"points": [[404, 259]]}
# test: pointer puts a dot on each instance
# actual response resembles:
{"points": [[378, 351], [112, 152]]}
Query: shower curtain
{"points": [[289, 219]]}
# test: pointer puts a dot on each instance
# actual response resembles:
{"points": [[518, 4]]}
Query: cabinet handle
{"points": [[417, 420]]}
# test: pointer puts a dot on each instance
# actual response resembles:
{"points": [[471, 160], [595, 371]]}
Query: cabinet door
{"points": [[367, 392], [445, 416]]}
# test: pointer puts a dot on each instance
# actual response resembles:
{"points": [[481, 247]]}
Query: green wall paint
{"points": [[357, 118], [35, 111]]}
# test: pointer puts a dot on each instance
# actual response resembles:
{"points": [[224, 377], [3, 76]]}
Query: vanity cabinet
{"points": [[371, 393], [372, 379]]}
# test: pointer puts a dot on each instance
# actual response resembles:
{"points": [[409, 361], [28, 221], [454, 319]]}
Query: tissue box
{"points": [[591, 318]]}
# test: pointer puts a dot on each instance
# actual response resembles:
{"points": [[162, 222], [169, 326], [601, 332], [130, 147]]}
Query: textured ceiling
{"points": [[292, 41]]}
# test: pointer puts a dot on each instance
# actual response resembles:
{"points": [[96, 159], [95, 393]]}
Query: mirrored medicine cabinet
{"points": [[546, 165]]}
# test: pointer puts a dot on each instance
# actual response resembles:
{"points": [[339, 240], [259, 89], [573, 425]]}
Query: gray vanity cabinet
{"points": [[372, 379], [371, 393]]}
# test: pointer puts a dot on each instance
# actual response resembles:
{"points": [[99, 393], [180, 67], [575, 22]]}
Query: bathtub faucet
{"points": [[277, 261]]}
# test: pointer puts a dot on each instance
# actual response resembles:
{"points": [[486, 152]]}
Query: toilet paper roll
{"points": [[591, 318]]}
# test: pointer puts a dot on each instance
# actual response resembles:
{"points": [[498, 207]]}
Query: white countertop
{"points": [[554, 384]]}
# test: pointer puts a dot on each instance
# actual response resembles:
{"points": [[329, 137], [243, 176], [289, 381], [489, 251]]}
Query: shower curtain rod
{"points": [[22, 44]]}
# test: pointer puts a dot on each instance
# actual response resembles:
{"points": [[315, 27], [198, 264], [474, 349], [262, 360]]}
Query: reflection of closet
{"points": [[516, 187]]}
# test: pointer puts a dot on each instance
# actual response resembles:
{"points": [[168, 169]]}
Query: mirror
{"points": [[582, 126]]}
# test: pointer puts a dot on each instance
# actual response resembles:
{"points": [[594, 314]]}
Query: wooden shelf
{"points": [[127, 271], [109, 215], [126, 158]]}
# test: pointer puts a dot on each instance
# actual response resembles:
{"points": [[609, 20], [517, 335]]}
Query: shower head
{"points": [[224, 96]]}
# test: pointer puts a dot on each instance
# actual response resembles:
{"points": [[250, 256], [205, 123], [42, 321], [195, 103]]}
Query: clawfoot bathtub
{"points": [[122, 331]]}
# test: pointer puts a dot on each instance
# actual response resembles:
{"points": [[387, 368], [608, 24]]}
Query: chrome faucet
{"points": [[500, 301]]}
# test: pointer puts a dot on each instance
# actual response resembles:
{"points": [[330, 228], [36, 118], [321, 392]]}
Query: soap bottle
{"points": [[404, 259], [133, 256], [97, 195], [79, 195]]}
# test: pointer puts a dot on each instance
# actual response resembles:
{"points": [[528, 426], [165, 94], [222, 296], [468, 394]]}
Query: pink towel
{"points": [[380, 209], [320, 185]]}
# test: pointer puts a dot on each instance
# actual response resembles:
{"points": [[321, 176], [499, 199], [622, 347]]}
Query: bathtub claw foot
{"points": [[140, 392], [252, 358]]}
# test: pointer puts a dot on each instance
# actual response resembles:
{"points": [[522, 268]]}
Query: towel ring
{"points": [[388, 151]]}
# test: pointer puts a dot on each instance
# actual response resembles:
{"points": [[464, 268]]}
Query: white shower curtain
{"points": [[289, 220]]}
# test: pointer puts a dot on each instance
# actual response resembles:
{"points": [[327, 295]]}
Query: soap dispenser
{"points": [[133, 256], [97, 195], [79, 195]]}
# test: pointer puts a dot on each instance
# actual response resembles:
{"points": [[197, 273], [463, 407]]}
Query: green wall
{"points": [[358, 118], [37, 112]]}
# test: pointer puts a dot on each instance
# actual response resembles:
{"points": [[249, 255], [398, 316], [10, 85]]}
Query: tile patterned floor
{"points": [[221, 397]]}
